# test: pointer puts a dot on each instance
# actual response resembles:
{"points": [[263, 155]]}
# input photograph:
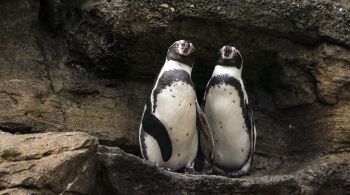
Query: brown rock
{"points": [[41, 90], [50, 163], [332, 72], [296, 67]]}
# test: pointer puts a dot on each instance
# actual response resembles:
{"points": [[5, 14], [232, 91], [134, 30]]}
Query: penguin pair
{"points": [[173, 126]]}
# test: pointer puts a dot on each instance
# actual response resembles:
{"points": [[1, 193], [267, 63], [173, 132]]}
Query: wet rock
{"points": [[47, 163]]}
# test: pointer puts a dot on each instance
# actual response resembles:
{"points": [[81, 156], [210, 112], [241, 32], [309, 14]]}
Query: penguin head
{"points": [[230, 56], [181, 51]]}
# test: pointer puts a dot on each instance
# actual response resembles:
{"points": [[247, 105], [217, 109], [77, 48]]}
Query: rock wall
{"points": [[49, 163], [86, 66], [296, 56], [40, 92]]}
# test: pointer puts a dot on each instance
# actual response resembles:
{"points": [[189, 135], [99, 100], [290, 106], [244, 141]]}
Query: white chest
{"points": [[176, 106], [176, 109], [226, 119]]}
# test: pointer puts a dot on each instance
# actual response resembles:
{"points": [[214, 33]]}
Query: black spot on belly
{"points": [[167, 79], [172, 96], [187, 134], [171, 90], [179, 104], [178, 154], [242, 150], [190, 104], [225, 89], [171, 128], [177, 140], [230, 93], [216, 141]]}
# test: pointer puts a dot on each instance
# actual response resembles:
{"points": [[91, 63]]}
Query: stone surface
{"points": [[295, 52], [332, 72], [124, 173], [136, 34], [87, 65], [48, 163], [40, 90]]}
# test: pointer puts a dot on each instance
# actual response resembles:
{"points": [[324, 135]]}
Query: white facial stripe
{"points": [[230, 56], [239, 55], [182, 50]]}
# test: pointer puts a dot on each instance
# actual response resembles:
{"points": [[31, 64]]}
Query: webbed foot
{"points": [[208, 168], [190, 169], [165, 169]]}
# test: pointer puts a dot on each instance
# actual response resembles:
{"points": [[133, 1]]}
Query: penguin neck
{"points": [[229, 70], [171, 65]]}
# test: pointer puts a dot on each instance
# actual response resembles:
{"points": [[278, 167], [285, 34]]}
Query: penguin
{"points": [[172, 121], [230, 115]]}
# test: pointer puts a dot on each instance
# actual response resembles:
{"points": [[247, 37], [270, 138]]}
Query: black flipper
{"points": [[155, 128], [206, 140]]}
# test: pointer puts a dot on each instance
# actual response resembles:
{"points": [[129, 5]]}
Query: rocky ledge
{"points": [[128, 174], [86, 65], [73, 163]]}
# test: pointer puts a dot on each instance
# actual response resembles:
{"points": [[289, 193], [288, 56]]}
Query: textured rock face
{"points": [[296, 61], [40, 91], [137, 176], [49, 163], [90, 72], [136, 34]]}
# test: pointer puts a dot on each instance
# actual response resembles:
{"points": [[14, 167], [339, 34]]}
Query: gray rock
{"points": [[92, 73], [41, 90], [128, 174], [48, 163], [274, 36]]}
